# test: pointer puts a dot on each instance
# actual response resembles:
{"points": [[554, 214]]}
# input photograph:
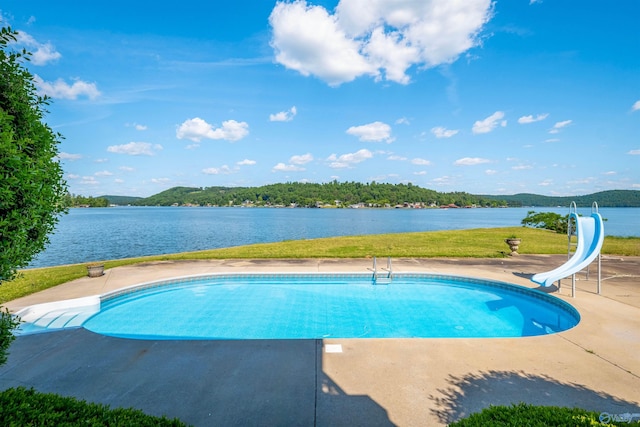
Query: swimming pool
{"points": [[317, 306]]}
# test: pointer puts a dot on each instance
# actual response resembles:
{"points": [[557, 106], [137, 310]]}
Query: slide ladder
{"points": [[589, 234], [382, 276]]}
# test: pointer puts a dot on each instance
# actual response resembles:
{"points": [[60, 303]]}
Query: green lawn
{"points": [[475, 243]]}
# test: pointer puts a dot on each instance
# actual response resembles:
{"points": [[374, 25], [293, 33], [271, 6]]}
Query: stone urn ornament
{"points": [[95, 270], [514, 243]]}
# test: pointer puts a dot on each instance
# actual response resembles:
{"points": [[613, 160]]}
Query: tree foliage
{"points": [[336, 194], [31, 184], [547, 220], [77, 201], [609, 199]]}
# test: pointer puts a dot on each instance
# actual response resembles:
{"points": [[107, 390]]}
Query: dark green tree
{"points": [[31, 183], [547, 220]]}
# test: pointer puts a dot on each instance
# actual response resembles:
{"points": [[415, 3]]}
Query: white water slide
{"points": [[590, 235]]}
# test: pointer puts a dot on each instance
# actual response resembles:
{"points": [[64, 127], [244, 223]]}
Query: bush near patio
{"points": [[27, 407], [523, 414]]}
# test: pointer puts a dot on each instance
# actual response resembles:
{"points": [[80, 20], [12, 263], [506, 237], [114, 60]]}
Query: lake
{"points": [[93, 234]]}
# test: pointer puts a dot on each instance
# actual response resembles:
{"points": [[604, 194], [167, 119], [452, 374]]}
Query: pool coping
{"points": [[405, 381]]}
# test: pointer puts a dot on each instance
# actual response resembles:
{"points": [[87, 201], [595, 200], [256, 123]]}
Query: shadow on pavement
{"points": [[474, 392], [207, 382]]}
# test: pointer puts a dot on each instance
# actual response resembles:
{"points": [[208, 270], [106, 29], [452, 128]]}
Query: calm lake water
{"points": [[112, 233]]}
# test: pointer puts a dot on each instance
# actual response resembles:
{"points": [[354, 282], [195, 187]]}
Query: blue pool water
{"points": [[330, 306]]}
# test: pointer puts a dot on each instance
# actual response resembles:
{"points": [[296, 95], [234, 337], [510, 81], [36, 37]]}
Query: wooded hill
{"points": [[611, 199], [332, 194], [345, 194]]}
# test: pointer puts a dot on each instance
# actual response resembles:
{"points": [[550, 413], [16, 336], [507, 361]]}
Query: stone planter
{"points": [[513, 243], [95, 270]]}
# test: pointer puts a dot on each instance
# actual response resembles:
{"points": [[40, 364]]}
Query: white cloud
{"points": [[421, 162], [69, 156], [140, 127], [126, 168], [396, 157], [284, 116], [376, 131], [403, 121], [101, 160], [161, 181], [72, 176], [556, 128], [636, 106], [470, 161], [521, 167], [634, 152], [349, 159], [491, 172], [374, 37], [41, 52], [103, 173], [301, 160], [441, 132], [222, 170], [530, 119], [490, 123], [135, 149], [281, 167], [246, 162], [196, 129], [89, 180], [546, 183], [61, 89]]}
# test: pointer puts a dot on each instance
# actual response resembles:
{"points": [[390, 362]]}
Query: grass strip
{"points": [[473, 243]]}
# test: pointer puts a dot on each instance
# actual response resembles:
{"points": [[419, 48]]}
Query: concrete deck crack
{"points": [[601, 357]]}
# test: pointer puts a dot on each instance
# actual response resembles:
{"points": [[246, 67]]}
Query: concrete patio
{"points": [[595, 365]]}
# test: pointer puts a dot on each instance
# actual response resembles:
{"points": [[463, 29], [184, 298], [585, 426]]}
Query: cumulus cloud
{"points": [[69, 156], [41, 53], [61, 89], [349, 159], [556, 128], [89, 180], [491, 172], [301, 159], [521, 167], [490, 123], [222, 170], [135, 149], [378, 38], [470, 161], [281, 167], [403, 121], [636, 106], [530, 119], [246, 162], [441, 132], [421, 162], [196, 129], [284, 116], [376, 132], [103, 173]]}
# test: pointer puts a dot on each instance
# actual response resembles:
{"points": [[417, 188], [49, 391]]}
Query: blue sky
{"points": [[485, 97]]}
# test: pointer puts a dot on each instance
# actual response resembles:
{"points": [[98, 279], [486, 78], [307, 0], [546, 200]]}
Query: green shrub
{"points": [[524, 415], [27, 407], [8, 324]]}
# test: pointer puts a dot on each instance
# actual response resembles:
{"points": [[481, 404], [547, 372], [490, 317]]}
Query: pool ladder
{"points": [[382, 276]]}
